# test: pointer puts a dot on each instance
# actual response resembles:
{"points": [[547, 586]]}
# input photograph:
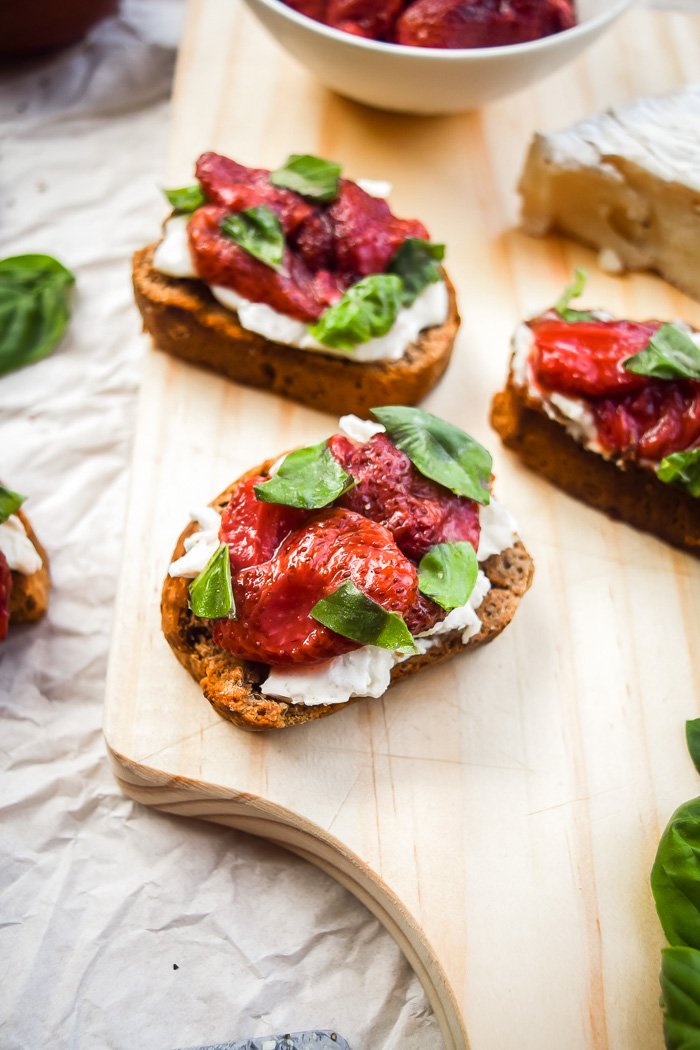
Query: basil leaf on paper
{"points": [[682, 469], [440, 450], [692, 739], [680, 997], [10, 502], [186, 199], [675, 877], [367, 311], [308, 478], [573, 291], [308, 176], [349, 612], [34, 308], [259, 232], [416, 262], [447, 574], [211, 593], [669, 354]]}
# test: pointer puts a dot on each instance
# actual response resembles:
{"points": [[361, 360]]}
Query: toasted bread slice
{"points": [[232, 686], [184, 319], [30, 594], [634, 495]]}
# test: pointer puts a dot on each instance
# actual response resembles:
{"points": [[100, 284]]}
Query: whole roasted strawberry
{"points": [[482, 23]]}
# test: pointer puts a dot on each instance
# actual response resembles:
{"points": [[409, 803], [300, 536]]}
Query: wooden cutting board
{"points": [[500, 813]]}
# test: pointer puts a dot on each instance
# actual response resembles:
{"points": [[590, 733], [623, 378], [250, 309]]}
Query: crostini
{"points": [[300, 282], [609, 410], [325, 575], [24, 566]]}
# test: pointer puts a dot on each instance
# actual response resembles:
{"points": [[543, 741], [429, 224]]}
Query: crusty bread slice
{"points": [[634, 495], [232, 686], [184, 319], [29, 598]]}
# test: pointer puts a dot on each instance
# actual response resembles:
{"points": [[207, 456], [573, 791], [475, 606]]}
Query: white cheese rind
{"points": [[20, 553]]}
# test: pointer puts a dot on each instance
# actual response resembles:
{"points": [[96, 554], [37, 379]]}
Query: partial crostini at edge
{"points": [[329, 573], [301, 282], [609, 410], [24, 566]]}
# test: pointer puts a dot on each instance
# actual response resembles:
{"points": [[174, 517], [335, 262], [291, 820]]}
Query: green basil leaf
{"points": [[669, 354], [692, 739], [367, 311], [416, 262], [439, 450], [259, 232], [10, 502], [573, 291], [675, 877], [349, 612], [211, 593], [308, 176], [447, 574], [682, 469], [34, 308], [310, 477], [187, 199], [680, 997]]}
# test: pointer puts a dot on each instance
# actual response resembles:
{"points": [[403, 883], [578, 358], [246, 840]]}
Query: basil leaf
{"points": [[439, 450], [680, 998], [675, 877], [447, 574], [34, 308], [416, 263], [573, 291], [692, 739], [10, 502], [259, 232], [669, 354], [187, 199], [367, 310], [308, 478], [211, 593], [308, 176], [682, 469], [349, 612]]}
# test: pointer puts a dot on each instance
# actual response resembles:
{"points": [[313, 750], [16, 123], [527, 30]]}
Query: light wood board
{"points": [[500, 813]]}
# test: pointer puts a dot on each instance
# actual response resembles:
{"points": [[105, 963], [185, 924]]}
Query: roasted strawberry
{"points": [[364, 17], [418, 512], [236, 188], [5, 592], [651, 423], [274, 599], [311, 8], [252, 529], [481, 23]]}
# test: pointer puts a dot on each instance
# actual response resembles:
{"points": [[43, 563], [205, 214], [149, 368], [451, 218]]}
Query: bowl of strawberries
{"points": [[434, 56]]}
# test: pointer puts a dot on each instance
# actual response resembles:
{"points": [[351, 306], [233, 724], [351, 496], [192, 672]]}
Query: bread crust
{"points": [[232, 685], [29, 598], [185, 320], [633, 494]]}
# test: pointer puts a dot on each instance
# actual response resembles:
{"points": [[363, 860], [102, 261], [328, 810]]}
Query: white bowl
{"points": [[428, 79]]}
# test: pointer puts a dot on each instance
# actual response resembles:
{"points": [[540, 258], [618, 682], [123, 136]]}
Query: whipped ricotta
{"points": [[20, 553], [172, 257]]}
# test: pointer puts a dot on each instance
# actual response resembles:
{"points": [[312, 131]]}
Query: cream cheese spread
{"points": [[20, 553], [172, 257]]}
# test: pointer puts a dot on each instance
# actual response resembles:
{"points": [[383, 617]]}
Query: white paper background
{"points": [[100, 897]]}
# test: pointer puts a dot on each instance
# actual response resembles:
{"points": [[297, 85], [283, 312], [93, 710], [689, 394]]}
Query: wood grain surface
{"points": [[499, 813]]}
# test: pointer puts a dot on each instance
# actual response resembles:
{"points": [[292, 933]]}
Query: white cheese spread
{"points": [[375, 187], [360, 430], [200, 545], [172, 257], [20, 553]]}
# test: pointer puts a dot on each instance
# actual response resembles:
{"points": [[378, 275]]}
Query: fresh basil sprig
{"points": [[669, 354], [186, 199], [308, 176], [680, 997], [439, 450], [34, 308], [573, 291], [692, 739], [211, 593], [682, 469], [675, 877], [447, 574], [309, 478], [259, 232], [10, 502], [349, 612], [416, 262], [367, 311]]}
